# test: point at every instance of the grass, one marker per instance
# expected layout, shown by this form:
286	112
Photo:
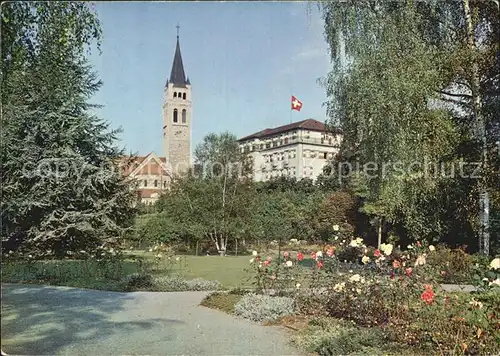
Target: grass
222	301
229	271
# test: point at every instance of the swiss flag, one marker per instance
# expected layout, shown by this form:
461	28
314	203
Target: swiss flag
296	104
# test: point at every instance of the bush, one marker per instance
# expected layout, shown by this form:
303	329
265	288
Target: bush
199	284
340	208
263	308
153	228
328	336
137	281
178	284
452	266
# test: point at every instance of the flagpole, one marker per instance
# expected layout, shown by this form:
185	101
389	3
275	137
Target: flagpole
291	115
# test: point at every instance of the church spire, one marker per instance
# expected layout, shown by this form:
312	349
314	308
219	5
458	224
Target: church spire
177	75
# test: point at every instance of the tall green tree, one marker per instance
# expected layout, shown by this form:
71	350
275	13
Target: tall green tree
215	200
393	66
62	190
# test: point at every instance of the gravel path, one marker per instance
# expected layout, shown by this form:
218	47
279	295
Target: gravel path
46	320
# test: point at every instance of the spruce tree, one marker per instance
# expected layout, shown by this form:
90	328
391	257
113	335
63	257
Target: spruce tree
62	189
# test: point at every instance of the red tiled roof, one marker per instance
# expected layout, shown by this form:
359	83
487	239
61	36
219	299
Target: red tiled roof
129	163
309	124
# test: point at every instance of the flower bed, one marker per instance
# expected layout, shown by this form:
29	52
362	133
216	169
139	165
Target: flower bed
393	290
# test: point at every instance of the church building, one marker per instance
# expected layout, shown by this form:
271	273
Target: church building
151	172
177	109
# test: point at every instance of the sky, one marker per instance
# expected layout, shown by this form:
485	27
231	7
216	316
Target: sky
244	61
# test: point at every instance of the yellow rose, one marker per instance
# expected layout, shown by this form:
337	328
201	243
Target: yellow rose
495	264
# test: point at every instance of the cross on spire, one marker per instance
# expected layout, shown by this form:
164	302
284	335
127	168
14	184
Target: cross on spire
177	75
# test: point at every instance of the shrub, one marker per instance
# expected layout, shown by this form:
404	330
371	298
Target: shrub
340	208
263	308
137	281
199	284
179	284
328	336
451	266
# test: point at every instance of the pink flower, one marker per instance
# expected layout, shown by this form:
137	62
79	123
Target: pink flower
396	264
377	253
286	254
409	271
392	275
313	255
419	244
330	252
266	263
300	256
320	264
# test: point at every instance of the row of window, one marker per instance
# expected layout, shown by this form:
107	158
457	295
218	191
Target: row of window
180	95
291	154
155	183
280	156
284	141
282	173
268	144
183	118
308	171
319	154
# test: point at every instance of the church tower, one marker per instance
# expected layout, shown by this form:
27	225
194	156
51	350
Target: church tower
177	110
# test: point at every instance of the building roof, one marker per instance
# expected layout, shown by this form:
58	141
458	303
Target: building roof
140	165
308	124
177	74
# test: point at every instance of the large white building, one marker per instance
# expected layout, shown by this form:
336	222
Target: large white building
299	150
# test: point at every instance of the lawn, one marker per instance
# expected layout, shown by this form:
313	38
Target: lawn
229	271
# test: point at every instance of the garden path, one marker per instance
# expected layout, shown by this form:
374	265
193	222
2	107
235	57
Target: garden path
38	320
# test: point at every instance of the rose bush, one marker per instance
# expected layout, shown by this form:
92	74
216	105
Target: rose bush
396	290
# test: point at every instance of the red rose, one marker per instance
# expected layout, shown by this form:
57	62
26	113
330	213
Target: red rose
377	253
427	296
300	256
313	255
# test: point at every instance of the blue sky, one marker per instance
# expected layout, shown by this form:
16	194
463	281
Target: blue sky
244	61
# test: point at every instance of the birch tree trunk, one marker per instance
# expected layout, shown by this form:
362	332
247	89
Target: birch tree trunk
379	233
484	235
